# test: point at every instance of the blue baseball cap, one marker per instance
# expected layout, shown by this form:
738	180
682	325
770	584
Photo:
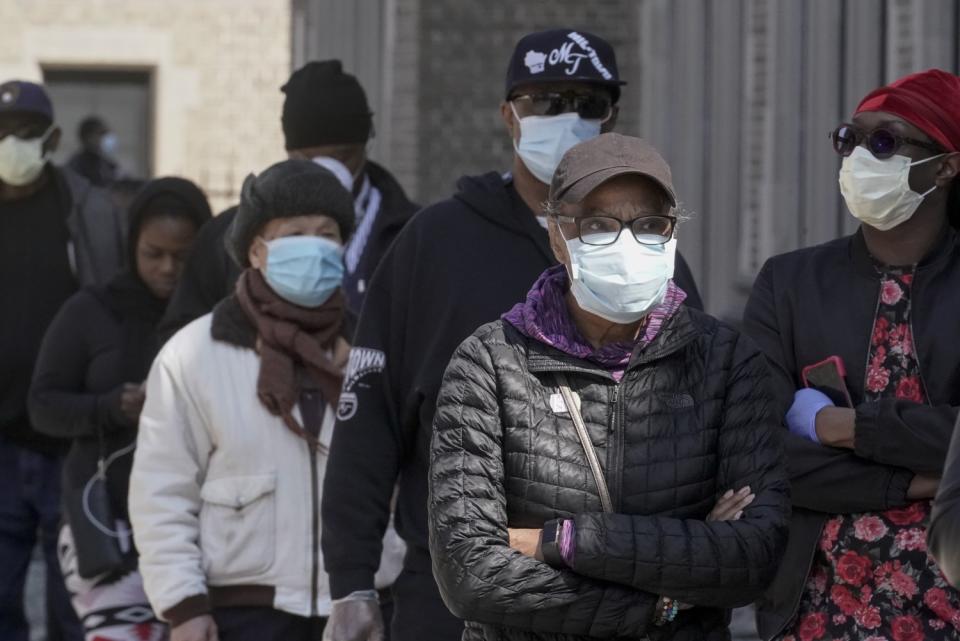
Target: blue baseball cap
563	55
20	96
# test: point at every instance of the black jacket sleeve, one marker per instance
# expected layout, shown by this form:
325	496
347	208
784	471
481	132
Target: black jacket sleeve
905	434
943	535
720	563
367	445
822	478
208	277
480	577
683	277
58	404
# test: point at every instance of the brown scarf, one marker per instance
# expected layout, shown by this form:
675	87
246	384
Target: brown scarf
289	335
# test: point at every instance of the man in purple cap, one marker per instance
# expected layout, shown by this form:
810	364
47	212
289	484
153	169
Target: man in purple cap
57	233
457	265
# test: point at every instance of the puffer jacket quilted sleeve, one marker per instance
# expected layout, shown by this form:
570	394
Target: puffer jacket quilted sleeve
707	563
480	577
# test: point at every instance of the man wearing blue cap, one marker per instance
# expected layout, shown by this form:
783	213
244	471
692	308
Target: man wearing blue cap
57	233
457	265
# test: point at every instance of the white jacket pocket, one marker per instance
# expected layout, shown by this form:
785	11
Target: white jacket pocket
238	526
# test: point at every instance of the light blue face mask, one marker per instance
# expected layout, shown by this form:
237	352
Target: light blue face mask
544	140
305	270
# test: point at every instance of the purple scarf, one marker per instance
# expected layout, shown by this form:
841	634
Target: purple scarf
544	317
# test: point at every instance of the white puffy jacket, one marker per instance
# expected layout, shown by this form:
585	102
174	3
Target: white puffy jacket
224	499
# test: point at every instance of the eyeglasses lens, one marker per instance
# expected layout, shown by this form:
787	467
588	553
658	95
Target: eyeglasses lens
882	143
653	230
599	230
593	107
844	140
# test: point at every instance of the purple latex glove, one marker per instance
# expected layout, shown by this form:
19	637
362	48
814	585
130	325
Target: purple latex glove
802	415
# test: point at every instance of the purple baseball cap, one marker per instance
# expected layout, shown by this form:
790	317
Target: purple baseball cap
21	96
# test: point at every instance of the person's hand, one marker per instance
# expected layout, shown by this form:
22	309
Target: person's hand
836	426
731	505
526	541
132	396
802	415
200	628
356	617
923	487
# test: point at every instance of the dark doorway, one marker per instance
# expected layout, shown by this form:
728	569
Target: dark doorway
122	98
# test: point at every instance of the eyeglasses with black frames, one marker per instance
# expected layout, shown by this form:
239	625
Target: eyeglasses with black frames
649	229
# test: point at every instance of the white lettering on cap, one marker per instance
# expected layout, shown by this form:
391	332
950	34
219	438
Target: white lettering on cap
534	60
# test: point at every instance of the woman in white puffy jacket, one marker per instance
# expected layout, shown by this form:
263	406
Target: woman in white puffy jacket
226	486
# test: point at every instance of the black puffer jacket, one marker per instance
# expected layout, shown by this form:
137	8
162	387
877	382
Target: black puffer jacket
691	418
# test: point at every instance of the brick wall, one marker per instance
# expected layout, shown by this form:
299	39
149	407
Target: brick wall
218	66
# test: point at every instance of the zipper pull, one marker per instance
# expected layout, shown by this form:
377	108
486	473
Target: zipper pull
613	409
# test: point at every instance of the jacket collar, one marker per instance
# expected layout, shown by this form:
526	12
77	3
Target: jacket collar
395	208
864	263
231	325
678	332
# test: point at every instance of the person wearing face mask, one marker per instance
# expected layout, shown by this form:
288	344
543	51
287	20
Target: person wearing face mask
460	263
866	452
234	434
58	233
326	119
88	390
569	498
96	160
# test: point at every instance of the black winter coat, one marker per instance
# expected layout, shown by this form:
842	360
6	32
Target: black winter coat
819	302
100	339
691	418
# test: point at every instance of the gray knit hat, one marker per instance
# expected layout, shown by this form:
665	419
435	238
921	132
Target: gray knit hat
285	190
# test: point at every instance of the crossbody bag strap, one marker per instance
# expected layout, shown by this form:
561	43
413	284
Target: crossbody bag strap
588	448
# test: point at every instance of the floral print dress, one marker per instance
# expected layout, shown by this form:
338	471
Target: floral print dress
872	579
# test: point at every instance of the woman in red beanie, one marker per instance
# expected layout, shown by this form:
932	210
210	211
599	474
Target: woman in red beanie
869	322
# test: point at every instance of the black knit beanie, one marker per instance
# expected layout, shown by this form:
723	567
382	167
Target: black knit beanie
285	190
324	106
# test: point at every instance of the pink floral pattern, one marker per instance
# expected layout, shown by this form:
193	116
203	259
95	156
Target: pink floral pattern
872	579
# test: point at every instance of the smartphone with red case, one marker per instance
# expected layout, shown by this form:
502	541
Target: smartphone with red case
829	377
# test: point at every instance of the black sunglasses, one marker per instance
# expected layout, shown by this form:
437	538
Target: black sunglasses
881	142
594	106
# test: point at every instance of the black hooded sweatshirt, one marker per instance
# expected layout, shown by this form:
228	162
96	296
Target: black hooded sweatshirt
102	338
457	265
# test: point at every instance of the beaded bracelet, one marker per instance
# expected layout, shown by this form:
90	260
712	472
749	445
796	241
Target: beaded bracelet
667	610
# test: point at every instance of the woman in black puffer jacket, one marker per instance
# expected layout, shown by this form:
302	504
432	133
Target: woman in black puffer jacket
674	403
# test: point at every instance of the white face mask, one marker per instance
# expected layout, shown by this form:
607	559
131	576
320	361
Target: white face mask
21	161
544	140
878	191
623	281
338	169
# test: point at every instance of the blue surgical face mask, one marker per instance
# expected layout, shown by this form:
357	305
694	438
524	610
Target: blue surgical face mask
544	140
304	270
109	144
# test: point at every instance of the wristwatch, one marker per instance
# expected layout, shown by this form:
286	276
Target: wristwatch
550	543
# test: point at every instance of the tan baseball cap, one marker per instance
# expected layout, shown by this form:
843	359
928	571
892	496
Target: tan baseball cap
593	162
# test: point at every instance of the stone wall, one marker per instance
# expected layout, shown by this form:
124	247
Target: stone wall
216	65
